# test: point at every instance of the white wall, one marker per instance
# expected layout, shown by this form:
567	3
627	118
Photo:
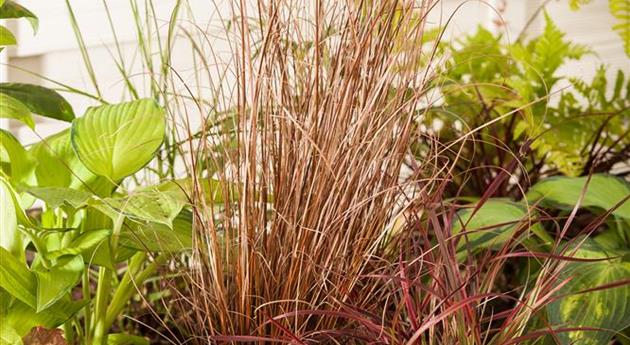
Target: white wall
53	53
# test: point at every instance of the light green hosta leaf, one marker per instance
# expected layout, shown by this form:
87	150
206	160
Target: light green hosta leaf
14	109
608	309
21	162
58	166
22	317
492	225
11	214
55	282
102	255
56	162
17	279
10	9
116	141
57	196
6	37
147	206
10	237
40	100
603	192
85	244
125	339
156	237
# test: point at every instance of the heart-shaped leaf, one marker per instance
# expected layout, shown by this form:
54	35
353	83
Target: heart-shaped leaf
14	109
40	100
21	162
59	166
116	141
53	283
603	192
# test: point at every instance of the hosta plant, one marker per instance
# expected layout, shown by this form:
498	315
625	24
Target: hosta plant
593	272
90	232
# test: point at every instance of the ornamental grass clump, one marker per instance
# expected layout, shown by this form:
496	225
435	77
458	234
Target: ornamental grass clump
325	105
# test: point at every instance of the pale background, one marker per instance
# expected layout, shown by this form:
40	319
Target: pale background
53	51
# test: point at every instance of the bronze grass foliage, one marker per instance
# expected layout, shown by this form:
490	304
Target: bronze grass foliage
329	230
324	123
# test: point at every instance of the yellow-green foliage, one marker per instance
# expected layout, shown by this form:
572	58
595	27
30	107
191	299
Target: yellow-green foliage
487	78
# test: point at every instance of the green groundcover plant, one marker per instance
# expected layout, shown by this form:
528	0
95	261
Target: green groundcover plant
88	221
89	225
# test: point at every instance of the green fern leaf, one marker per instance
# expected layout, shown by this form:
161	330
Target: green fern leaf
620	9
551	50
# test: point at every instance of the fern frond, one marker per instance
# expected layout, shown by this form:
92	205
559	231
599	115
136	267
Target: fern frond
551	50
620	9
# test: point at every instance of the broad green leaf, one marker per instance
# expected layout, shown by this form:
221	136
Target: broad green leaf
10	237
8	335
492	225
14	109
57	196
17	279
55	282
156	237
85	244
59	166
125	339
102	255
603	192
10	9
21	162
12	214
147	206
40	100
608	309
116	141
610	238
22	317
6	37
